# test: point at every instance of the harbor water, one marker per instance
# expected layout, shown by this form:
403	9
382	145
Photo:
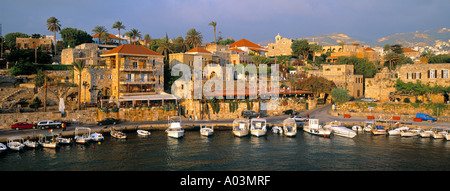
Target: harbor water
225	152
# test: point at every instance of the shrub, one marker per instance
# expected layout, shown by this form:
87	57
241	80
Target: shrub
406	100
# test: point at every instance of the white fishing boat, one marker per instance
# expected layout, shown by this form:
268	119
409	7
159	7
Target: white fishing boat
357	128
117	134
439	133
339	130
31	144
143	132
289	127
206	130
426	133
258	127
277	130
447	136
397	131
379	130
82	135
96	137
410	132
175	130
3	148
64	140
240	127
369	125
315	128
15	143
48	142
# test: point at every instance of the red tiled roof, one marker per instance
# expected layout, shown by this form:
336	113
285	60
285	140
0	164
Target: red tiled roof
109	35
369	49
131	50
245	43
198	49
406	49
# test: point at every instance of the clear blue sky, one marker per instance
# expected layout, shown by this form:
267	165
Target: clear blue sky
255	20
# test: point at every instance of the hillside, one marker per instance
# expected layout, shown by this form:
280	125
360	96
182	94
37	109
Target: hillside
420	39
333	39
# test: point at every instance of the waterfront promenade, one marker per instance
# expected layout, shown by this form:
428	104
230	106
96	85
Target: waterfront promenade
322	113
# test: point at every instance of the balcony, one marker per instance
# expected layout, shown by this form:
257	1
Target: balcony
138	69
137	81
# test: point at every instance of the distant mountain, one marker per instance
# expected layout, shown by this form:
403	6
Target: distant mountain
413	39
332	39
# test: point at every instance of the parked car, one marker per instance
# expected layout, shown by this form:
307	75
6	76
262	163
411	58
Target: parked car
425	117
368	99
108	121
290	112
23	125
249	114
300	119
45	124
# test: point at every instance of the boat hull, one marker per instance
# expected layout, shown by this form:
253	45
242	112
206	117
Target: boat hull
175	134
258	133
240	133
206	133
290	134
379	132
49	145
426	134
438	136
318	132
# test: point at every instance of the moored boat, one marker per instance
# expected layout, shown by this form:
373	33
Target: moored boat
315	128
289	127
175	130
82	135
410	132
48	142
339	130
379	130
439	133
15	143
368	126
3	148
357	128
206	130
96	137
64	140
117	134
397	131
31	144
426	133
143	132
258	127
240	127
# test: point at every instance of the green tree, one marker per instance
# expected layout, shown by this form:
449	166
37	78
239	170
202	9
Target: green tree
35	103
227	41
316	85
442	58
397	48
340	95
214	24
180	45
135	34
102	33
300	47
361	65
53	26
23	68
79	66
193	38
73	37
27	55
315	48
118	25
10	39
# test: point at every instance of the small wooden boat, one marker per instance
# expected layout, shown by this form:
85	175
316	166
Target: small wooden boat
15	143
240	127
31	144
143	132
289	127
314	128
258	127
379	130
118	134
206	130
48	142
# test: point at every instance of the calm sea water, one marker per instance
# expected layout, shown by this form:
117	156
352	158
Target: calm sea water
225	152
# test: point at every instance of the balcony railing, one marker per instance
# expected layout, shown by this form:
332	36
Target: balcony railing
137	81
140	69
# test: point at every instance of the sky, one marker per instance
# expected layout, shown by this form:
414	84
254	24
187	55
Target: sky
255	20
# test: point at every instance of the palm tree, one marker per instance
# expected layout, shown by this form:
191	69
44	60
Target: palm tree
214	24
53	26
102	33
193	38
128	34
79	66
165	48
135	33
118	25
147	39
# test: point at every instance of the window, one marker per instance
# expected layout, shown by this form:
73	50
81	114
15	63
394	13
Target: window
110	76
128	77
444	73
409	76
135	64
418	75
432	74
101	76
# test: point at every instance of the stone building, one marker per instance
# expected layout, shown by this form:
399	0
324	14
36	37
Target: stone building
352	50
380	86
343	76
435	74
136	72
282	46
95	84
32	43
88	52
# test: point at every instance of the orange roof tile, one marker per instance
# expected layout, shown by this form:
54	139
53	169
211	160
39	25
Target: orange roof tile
406	49
109	35
199	50
369	49
245	43
131	50
235	49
